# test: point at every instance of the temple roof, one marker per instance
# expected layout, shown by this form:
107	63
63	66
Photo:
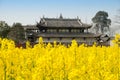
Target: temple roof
68	35
61	22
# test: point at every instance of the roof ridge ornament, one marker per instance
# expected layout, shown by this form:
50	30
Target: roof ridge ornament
61	17
79	21
77	17
43	16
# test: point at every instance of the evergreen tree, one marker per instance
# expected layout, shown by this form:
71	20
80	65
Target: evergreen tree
4	29
17	33
101	22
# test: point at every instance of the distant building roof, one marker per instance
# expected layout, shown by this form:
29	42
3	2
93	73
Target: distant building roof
30	27
104	38
61	22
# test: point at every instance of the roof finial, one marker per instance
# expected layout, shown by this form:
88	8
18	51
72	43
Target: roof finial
43	16
61	17
77	17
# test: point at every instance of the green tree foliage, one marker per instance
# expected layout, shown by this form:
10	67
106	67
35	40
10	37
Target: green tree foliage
101	21
17	33
4	29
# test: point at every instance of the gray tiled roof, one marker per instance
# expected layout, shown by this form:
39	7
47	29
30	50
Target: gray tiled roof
58	22
68	35
30	27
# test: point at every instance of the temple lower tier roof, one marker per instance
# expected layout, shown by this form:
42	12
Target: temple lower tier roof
68	35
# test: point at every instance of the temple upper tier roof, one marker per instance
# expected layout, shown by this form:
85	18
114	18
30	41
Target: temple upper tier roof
62	23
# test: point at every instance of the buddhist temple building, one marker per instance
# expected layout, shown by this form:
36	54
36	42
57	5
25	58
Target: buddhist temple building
64	30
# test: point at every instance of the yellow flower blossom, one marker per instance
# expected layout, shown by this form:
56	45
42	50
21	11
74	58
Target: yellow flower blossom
59	62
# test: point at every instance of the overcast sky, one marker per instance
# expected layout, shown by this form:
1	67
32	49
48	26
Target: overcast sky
30	11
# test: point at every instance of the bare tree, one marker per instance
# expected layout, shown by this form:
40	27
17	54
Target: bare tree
117	17
116	23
